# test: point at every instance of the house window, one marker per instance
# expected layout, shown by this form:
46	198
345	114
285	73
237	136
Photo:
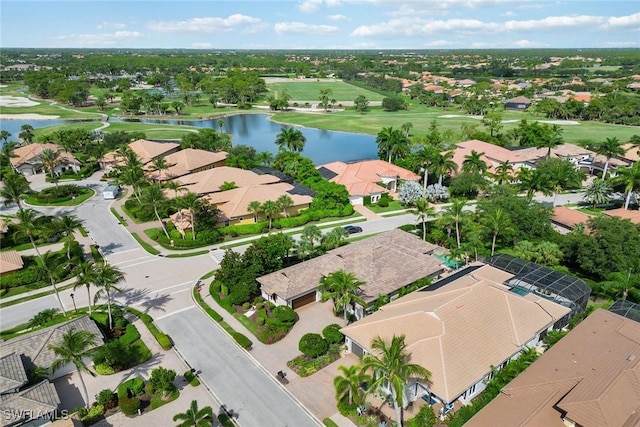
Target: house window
255	218
226	222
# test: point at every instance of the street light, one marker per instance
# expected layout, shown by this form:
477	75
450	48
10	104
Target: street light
74	304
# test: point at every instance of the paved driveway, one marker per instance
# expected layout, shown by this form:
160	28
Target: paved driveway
232	374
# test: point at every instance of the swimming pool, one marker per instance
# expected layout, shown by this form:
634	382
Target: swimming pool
447	261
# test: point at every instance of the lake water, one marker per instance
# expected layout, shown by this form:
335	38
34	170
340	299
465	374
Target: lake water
258	131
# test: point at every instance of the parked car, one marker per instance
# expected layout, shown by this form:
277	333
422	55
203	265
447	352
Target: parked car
351	229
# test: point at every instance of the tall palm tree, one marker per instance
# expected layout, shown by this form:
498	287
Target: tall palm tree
386	140
133	176
50	159
597	193
195	417
423	211
610	147
504	172
424	159
623	283
67	224
630	178
455	212
73	348
255	208
106	277
265	157
175	186
192	202
85	276
160	164
154	196
343	288
291	139
391	371
348	384
27	225
473	163
497	221
26	134
270	208
285	202
312	233
551	140
15	188
5	135
443	164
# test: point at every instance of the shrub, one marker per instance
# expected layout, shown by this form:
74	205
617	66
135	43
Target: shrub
260	321
164	341
149	389
242	340
224	290
96	412
105	397
246	306
130	335
162	379
258	306
313	345
104	369
332	334
129	405
285	314
153	233
383	202
425	418
133	386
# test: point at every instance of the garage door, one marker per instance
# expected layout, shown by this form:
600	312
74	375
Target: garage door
304	300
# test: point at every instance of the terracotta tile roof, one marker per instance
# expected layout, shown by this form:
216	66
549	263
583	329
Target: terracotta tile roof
233	203
569	217
38	400
210	180
632	152
30	154
182	220
443	331
633	216
592	375
360	178
10	261
149	150
186	161
385	262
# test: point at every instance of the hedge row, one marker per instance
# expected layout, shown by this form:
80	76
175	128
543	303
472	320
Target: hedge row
162	338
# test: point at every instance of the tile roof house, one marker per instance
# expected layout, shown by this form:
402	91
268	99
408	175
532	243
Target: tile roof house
568	218
145	150
517	103
459	329
10	261
233	204
632	152
590	378
27	159
622	213
189	160
385	262
30	404
183	220
210	180
367	178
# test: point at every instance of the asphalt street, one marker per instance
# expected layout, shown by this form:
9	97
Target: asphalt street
242	385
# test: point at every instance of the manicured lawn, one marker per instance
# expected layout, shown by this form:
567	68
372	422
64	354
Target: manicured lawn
394	205
86	193
30	297
119	217
147	247
309	90
187	255
46	109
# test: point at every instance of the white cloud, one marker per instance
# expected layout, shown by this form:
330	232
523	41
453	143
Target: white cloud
105	39
106	25
205	25
417	26
201	45
509	14
338	17
302	28
624	21
527	44
309	6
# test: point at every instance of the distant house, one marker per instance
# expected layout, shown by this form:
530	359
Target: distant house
210	180
566	219
385	262
631	215
183	221
517	103
27	160
10	261
189	160
369	178
590	378
145	150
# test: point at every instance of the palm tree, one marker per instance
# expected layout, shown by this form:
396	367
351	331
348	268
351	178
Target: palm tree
270	208
504	172
15	188
195	417
424	159
67	224
630	178
160	164
312	233
27	224
343	288
406	128
50	159
74	347
443	164
610	147
497	221
455	212
552	139
26	134
85	277
154	196
623	283
285	202
349	383
255	208
106	277
265	157
291	139
193	203
220	123
387	140
473	163
175	186
5	135
133	176
597	193
423	211
391	370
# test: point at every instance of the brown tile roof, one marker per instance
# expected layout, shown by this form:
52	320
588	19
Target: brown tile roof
38	400
12	372
592	375
210	180
30	154
632	153
460	330
186	161
360	178
182	220
568	217
519	100
385	262
10	261
233	203
149	150
633	216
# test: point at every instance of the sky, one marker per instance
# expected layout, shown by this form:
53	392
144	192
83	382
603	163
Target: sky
320	24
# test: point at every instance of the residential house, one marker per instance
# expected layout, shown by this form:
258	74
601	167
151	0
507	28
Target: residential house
187	161
492	155
385	263
183	221
566	219
622	213
461	328
517	103
10	261
233	204
590	378
369	178
632	153
210	180
28	161
145	150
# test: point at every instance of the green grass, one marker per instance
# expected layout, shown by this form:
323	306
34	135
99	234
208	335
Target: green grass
329	422
45	108
25	246
157	400
86	193
30	297
309	90
247	323
147	247
394	205
226	421
131	217
187	255
119	217
97	256
140	351
208	275
21	329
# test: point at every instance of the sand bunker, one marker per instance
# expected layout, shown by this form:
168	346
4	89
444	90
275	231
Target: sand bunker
16	101
27	117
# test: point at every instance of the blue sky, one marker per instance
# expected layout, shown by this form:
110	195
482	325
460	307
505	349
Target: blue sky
320	24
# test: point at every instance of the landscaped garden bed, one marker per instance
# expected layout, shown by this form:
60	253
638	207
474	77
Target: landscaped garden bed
317	350
63	195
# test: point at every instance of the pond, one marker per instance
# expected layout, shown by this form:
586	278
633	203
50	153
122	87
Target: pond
258	131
